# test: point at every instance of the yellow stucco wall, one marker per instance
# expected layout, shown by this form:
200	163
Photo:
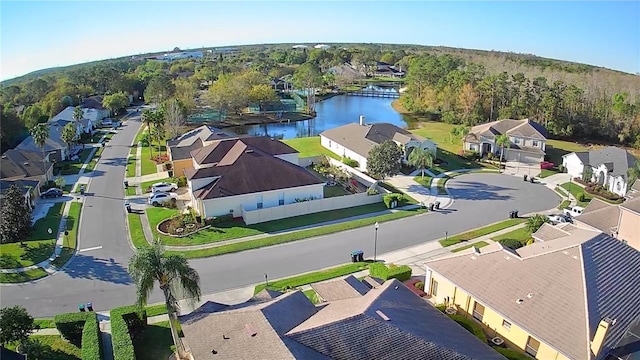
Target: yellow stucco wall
180	165
629	228
491	319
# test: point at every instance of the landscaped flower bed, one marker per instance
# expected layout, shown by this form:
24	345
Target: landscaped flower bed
181	225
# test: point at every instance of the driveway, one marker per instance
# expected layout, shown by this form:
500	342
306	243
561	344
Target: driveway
99	275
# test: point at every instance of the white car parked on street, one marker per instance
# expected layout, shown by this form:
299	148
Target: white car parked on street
164	187
160	198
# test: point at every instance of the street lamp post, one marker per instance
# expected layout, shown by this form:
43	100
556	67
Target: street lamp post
266	280
375	241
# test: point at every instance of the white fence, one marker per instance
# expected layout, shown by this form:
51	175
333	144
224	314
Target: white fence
361	177
308	207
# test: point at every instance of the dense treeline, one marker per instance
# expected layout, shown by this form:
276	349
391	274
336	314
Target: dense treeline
460	86
462	92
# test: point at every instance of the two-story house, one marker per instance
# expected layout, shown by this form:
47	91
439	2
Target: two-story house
26	169
527	140
231	175
355	141
179	149
54	148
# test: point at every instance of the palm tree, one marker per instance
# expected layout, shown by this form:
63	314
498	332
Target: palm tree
172	272
78	114
502	141
535	222
40	134
421	158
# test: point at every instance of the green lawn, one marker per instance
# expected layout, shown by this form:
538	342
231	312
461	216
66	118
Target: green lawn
238	229
312	295
28	275
556	148
72	167
438	132
48	323
155	310
54	347
130	191
547	172
575	189
297	235
40	244
313	277
564	204
334	191
476	233
149	166
521	235
395	190
424	181
155	342
131	166
94	161
71	240
451	161
135	230
477	244
309	146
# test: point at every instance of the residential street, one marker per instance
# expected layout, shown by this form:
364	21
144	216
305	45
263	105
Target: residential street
98	274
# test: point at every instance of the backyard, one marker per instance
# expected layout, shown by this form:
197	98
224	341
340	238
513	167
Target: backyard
39	245
309	146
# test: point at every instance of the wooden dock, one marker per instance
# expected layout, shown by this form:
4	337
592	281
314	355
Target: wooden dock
377	94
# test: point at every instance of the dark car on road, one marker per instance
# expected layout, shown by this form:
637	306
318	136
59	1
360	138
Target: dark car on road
51	193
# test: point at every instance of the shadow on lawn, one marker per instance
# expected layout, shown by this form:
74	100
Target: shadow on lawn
39	350
154	343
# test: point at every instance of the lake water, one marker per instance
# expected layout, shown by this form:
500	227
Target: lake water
331	113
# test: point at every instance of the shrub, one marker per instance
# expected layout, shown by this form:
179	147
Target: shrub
82	330
511	243
350	162
419	285
511	354
390	198
381	271
170	205
181	181
127	323
372	191
441	307
470	326
490	156
561	168
581	197
48	185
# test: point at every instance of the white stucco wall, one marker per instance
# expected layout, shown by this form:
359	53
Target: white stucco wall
340	150
425	145
573	165
221	206
615	184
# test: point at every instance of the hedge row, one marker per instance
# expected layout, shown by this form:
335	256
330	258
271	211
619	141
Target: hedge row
381	271
82	330
127	323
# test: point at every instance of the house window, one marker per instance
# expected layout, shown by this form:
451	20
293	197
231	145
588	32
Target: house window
260	204
434	288
478	311
535	143
516	141
281	199
532	346
506	324
330	143
618	186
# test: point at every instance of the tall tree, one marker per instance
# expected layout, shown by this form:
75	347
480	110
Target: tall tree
633	174
69	134
15	325
160	88
174	118
40	134
172	272
504	142
78	114
15	223
115	102
384	160
308	78
421	158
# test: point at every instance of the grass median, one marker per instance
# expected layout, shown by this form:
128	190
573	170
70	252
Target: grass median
71	240
21	277
470	235
297	235
477	244
313	277
136	232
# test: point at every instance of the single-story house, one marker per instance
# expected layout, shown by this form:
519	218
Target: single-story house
620	221
354	141
92	106
180	148
237	174
570	297
387	322
608	167
54	147
26	169
527	140
387	70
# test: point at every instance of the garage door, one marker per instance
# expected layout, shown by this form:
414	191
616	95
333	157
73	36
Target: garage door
530	158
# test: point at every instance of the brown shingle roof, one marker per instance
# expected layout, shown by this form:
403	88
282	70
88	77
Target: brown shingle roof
548	232
604	219
596	204
236	167
632	205
362	138
93	102
19	164
562	275
346	288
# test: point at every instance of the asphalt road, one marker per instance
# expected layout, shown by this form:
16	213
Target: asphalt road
99	276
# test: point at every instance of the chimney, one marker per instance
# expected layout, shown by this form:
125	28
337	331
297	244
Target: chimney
600	335
361	120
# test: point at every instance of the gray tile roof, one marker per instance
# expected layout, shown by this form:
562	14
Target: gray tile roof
358	328
346	288
636	185
596	204
24	185
53	142
362	138
18	164
524	128
182	146
619	160
574	281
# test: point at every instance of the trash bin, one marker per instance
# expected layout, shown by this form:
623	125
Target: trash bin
515	214
436	204
81	189
126	184
127	205
354	256
532	179
431	205
511	215
89	307
525	178
81	307
360	256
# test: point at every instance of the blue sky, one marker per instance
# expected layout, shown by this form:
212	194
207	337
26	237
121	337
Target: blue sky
36	35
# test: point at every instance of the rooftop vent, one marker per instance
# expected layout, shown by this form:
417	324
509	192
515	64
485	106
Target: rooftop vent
473	257
565	252
225	337
25	163
529	295
382	315
213	351
248	151
250	330
396	288
507	257
519	301
4	156
575	257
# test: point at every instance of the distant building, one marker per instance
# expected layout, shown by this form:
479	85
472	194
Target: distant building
181	55
322	46
299	46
